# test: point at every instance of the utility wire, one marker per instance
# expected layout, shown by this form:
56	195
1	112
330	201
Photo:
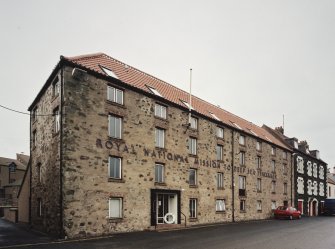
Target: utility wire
25	113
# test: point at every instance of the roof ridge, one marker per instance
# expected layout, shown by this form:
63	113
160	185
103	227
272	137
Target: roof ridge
85	56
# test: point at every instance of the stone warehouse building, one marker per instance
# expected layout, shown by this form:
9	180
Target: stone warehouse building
310	175
125	151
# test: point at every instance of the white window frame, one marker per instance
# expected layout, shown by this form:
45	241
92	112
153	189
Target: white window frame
273	205
242	207
258	146
219	132
159	137
273	151
259	185
154	91
285	188
220	205
193	202
112	126
195	177
273	166
242	182
242	158
118	165
56	120
259	205
113	95
159	173
160	111
258	162
241	140
119	206
219	152
273	187
192	145
193	123
220	180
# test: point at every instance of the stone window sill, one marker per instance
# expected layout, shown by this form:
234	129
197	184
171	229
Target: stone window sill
116	180
160	184
193	186
115	220
220	212
115	104
243	211
193	219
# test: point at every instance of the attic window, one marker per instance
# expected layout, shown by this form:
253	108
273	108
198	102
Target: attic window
214	116
154	91
187	105
109	72
253	132
237	126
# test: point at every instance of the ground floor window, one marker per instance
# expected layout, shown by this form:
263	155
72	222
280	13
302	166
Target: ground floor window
259	205
220	205
242	205
273	205
159	173
193	208
115	207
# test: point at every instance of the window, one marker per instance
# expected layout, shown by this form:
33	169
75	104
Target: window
214	116
285	169
258	146
192	177
315	170
109	72
220	205
273	166
259	205
159	173
56	87
242	140
329	192
219	132
259	185
220	180
285	188
192	146
258	162
193	123
242	158
273	151
115	167
300	167
219	152
187	105
284	155
39	172
160	111
115	95
34	114
154	91
273	205
193	208
115	126
321	172
159	137
300	182
273	187
39	207
115	207
242	205
241	185
56	120
34	138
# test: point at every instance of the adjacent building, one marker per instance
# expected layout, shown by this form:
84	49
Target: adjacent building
116	149
309	176
331	184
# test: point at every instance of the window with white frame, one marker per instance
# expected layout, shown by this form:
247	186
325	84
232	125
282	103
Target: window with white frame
321	189
273	151
115	207
242	205
273	205
154	91
159	137
115	167
242	158
321	172
192	145
219	180
159	173
300	182
220	205
285	188
160	111
259	205
56	86
315	188
241	185
241	140
258	146
300	164
56	120
219	132
273	187
258	162
115	95
315	170
284	155
192	179
309	168
193	123
193	208
219	152
273	165
115	126
259	185
309	187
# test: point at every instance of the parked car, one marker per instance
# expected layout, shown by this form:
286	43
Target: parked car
329	207
286	212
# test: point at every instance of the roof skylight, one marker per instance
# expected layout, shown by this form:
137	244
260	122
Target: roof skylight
214	116
253	132
109	72
268	139
154	91
237	126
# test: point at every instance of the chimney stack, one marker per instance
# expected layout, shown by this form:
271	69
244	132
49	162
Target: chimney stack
280	129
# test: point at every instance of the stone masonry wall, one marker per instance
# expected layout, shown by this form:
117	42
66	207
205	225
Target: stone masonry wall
87	188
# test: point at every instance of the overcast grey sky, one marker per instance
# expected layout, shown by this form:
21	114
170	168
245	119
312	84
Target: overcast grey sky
257	59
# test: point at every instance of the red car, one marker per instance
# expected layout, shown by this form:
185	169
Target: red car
287	212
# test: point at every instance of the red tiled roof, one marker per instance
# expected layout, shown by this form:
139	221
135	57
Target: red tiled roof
136	78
